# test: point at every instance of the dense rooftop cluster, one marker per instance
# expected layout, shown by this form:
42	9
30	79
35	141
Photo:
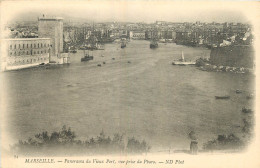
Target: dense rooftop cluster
192	34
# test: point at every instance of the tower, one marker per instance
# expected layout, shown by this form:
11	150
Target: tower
52	27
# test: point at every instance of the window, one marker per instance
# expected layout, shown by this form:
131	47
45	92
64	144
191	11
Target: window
23	45
34	45
41	52
19	46
34	52
38	45
41	44
48	45
15	46
27	45
15	53
37	52
27	52
11	53
31	45
44	45
10	46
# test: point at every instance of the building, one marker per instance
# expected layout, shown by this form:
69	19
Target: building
25	52
52	27
138	35
21	53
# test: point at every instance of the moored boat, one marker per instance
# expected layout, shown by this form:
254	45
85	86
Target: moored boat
238	91
250	96
246	110
73	51
222	97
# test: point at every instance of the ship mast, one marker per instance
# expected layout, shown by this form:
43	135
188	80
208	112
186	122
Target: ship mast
182	56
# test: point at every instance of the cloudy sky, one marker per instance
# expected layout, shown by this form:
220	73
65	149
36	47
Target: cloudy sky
130	10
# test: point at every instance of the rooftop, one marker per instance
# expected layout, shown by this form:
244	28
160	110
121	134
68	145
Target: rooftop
50	18
26	39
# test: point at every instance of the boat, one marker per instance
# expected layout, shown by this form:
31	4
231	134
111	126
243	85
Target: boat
222	97
86	57
123	43
93	43
99	65
246	110
182	61
153	44
238	91
250	96
100	47
73	51
95	46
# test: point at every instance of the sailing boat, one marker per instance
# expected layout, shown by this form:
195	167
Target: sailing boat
86	57
182	61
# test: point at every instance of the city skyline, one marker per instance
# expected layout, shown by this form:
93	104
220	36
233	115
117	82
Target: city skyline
126	11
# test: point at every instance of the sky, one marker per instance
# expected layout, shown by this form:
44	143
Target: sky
129	10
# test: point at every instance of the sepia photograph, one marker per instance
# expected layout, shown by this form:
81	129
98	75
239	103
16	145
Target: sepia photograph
129	83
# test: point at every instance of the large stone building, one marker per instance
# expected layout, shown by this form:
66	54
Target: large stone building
52	27
21	53
25	52
138	35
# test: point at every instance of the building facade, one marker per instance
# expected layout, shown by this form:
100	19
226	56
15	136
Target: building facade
52	27
21	53
138	35
25	52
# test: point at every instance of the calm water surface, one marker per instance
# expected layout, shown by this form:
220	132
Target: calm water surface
148	98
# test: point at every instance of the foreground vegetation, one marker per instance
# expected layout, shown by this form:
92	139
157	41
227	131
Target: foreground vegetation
64	142
231	141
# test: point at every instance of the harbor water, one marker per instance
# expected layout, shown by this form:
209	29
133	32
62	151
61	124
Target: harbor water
138	93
